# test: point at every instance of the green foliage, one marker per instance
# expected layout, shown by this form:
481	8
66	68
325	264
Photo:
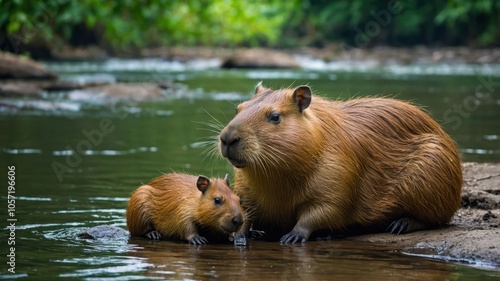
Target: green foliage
150	22
130	23
467	14
418	22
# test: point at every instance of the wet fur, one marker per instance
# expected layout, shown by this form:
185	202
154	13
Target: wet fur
335	165
173	206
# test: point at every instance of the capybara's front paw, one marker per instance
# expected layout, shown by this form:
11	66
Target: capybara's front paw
153	235
405	225
198	240
256	234
295	236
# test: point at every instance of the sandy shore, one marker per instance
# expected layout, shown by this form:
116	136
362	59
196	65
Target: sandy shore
473	235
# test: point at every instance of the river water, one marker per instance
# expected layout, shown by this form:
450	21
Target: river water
76	165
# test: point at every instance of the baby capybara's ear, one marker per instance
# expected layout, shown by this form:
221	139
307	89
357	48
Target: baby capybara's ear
226	179
260	88
302	97
203	183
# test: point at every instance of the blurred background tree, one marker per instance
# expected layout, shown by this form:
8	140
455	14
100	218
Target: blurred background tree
121	25
442	22
129	25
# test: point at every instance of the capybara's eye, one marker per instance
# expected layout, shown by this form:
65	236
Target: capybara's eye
275	118
218	201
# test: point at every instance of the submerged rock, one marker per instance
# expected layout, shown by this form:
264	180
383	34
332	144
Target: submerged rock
19	88
104	232
17	67
25	88
260	58
128	91
8	105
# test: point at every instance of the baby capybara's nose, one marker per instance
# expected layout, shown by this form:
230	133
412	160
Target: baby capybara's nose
237	220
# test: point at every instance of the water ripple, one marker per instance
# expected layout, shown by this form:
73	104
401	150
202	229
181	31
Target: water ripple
362	66
481	151
69	152
22	150
34	198
107	152
111	265
153	65
280	74
118	199
491	137
107	211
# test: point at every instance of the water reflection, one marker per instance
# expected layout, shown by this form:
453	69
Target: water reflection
316	260
481	151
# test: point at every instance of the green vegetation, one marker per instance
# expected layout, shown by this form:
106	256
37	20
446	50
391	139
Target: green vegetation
120	25
128	23
410	22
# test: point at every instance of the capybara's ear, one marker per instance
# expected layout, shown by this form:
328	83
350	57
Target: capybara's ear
226	179
203	183
259	88
302	97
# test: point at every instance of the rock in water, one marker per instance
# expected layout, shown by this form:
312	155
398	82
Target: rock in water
104	232
260	58
13	66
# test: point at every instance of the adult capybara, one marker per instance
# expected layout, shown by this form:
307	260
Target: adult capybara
178	205
304	164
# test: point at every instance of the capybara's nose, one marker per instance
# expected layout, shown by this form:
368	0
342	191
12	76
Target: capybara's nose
229	140
237	220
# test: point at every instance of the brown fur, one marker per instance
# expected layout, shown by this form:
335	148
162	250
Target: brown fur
174	207
335	165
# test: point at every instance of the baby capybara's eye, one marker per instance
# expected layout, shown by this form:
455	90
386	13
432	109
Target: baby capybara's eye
218	201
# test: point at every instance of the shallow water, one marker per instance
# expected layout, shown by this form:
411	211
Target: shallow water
76	166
